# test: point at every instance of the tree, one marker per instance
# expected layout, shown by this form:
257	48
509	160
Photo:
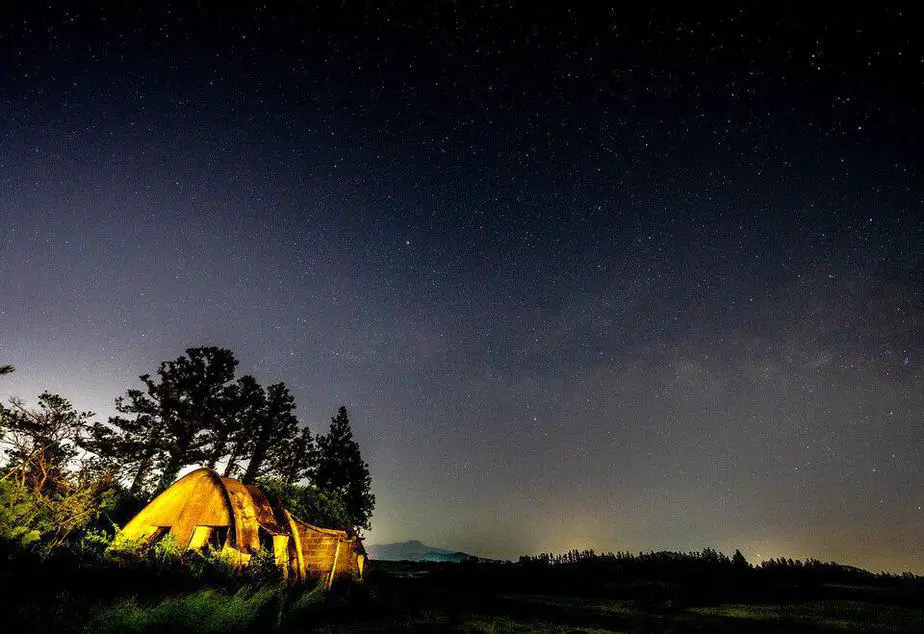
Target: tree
129	444
47	493
243	400
341	470
41	445
738	560
173	423
273	430
6	369
297	458
250	403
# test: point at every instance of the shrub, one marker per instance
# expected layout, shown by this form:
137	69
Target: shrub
308	503
23	521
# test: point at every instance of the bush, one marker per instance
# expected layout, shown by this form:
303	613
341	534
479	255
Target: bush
23	521
308	503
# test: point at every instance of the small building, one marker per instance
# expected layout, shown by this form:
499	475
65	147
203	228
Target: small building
203	509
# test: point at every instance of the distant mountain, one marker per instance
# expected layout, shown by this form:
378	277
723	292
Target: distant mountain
414	550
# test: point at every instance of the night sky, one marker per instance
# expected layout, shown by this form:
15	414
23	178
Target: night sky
623	278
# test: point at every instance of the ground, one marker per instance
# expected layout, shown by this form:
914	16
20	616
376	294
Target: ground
402	598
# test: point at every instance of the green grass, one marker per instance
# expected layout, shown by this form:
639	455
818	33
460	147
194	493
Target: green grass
203	611
206	611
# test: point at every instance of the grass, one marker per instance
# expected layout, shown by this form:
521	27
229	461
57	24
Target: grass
203	611
450	598
843	616
553	614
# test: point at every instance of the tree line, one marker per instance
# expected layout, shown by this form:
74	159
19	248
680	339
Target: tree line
696	567
193	411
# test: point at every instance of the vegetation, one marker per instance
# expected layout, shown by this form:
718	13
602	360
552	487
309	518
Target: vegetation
192	412
341	470
317	506
82	588
68	482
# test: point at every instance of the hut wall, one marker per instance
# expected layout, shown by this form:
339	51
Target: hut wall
346	562
197	499
203	509
318	551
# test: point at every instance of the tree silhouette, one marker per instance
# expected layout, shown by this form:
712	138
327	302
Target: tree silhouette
6	369
129	444
738	560
272	430
193	412
173	422
296	458
341	469
250	404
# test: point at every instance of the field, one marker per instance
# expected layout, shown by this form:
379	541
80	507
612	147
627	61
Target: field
452	597
405	597
531	613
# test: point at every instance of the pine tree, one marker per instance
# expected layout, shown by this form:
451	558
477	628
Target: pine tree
341	469
738	560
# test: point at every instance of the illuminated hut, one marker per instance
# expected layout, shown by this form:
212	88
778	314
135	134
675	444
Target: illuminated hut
203	509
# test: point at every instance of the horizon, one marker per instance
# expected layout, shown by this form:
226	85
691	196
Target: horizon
755	560
616	278
755	553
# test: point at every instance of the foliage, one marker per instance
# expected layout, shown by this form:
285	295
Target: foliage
341	469
83	587
22	521
308	503
738	560
234	436
271	432
251	608
118	507
166	549
262	569
41	444
296	459
168	425
195	413
48	493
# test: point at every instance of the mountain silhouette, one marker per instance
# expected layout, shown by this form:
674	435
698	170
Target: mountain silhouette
414	550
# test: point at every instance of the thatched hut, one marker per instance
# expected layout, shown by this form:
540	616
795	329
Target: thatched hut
203	509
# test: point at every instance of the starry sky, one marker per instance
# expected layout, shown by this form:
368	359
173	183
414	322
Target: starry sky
620	277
